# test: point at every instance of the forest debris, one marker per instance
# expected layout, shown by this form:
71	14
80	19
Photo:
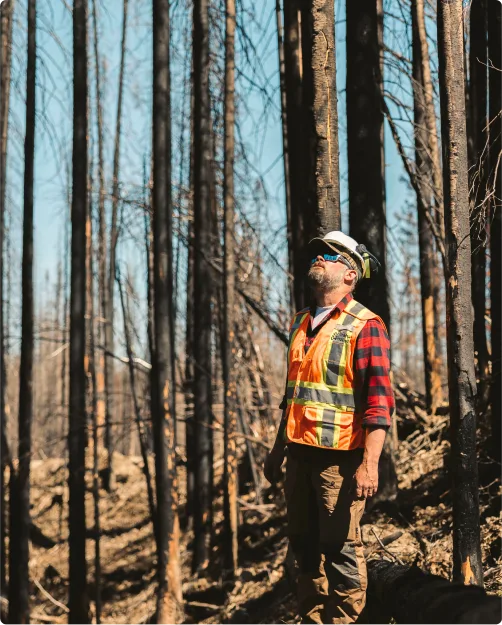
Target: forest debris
50	597
380	542
45	618
264	508
387	540
492	571
201	604
410	595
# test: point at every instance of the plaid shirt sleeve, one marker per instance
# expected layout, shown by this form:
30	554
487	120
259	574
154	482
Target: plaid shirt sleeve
373	389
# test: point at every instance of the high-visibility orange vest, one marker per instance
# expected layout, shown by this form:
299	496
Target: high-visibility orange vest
320	394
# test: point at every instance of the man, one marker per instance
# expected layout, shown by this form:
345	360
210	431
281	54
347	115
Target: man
336	412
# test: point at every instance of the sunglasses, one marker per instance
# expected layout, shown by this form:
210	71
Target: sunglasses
330	258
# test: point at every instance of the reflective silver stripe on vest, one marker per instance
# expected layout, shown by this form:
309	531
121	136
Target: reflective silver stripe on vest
327	397
297	322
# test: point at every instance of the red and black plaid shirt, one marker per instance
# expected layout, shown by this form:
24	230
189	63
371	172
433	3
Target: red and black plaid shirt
373	393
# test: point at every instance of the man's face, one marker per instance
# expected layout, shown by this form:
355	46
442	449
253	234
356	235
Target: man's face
326	275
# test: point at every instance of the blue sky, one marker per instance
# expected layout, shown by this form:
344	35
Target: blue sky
260	125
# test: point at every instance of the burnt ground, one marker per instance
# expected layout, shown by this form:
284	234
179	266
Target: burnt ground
261	593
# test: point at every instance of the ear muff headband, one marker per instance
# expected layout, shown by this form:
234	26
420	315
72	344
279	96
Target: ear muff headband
371	263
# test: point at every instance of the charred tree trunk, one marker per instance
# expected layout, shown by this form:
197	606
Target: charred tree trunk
93	403
6	13
189	336
202	289
365	134
477	139
19	553
140	426
365	145
408	595
169	596
322	209
109	368
424	166
495	107
101	389
430	117
228	338
467	566
435	158
285	148
189	370
78	599
293	77
148	221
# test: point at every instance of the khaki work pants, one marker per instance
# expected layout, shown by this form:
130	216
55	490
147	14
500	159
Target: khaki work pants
324	533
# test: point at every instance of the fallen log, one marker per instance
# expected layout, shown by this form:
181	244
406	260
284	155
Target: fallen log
409	595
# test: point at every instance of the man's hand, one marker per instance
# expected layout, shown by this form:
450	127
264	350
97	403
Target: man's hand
366	479
273	463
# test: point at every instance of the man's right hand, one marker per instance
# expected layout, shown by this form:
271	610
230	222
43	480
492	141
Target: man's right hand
273	464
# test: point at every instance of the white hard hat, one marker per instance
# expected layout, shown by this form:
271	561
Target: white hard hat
345	245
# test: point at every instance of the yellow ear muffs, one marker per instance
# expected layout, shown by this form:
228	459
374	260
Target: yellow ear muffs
367	268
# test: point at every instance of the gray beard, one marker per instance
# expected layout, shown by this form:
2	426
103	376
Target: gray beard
322	281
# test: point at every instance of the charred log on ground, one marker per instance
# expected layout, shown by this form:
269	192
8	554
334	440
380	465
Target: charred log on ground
409	595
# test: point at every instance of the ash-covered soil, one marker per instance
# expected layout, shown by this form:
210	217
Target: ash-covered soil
262	591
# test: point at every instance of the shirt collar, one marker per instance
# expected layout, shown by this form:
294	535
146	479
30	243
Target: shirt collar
340	307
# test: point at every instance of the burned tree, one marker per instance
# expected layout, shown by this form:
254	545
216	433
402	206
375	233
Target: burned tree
110	291
285	146
169	595
228	339
461	377
78	599
367	220
478	168
101	388
202	289
495	155
322	209
297	146
365	145
20	518
425	206
6	12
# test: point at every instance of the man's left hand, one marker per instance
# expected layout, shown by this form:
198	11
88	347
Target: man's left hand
366	479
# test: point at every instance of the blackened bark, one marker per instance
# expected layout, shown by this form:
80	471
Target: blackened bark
430	119
202	288
189	338
228	338
6	12
78	594
322	209
19	554
409	595
110	309
467	566
169	596
424	165
189	370
365	146
495	106
297	146
478	169
92	401
285	147
102	284
140	426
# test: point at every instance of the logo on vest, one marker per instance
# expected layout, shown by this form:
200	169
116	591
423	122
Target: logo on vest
340	335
